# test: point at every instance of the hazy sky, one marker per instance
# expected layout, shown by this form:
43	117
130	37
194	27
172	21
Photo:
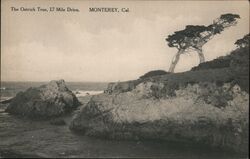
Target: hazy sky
88	46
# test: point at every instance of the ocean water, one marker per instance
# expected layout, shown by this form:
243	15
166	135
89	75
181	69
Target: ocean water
21	137
10	89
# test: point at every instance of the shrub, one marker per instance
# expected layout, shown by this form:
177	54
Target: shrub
154	73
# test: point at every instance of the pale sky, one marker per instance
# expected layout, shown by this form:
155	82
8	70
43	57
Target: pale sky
88	46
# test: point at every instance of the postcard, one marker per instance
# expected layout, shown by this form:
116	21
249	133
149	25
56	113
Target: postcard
124	79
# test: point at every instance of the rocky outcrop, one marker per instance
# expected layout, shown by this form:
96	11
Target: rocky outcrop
200	113
119	87
52	99
207	106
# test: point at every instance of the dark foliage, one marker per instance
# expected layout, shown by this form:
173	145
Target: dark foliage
244	42
231	68
188	37
237	58
216	63
178	39
237	64
229	17
154	73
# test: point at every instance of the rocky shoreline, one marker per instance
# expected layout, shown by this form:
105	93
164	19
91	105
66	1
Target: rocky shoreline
203	106
187	117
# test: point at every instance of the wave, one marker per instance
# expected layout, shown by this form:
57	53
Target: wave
2	99
80	93
7	93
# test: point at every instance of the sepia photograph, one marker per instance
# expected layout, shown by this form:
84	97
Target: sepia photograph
124	79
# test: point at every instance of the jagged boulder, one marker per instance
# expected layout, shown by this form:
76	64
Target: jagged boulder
52	99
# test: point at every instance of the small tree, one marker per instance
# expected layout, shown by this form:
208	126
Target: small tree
244	42
193	37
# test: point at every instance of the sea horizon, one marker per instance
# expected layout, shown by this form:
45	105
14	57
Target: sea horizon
60	79
9	89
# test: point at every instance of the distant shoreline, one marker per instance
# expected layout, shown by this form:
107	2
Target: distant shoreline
50	80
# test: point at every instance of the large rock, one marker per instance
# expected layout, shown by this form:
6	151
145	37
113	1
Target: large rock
208	105
52	99
200	113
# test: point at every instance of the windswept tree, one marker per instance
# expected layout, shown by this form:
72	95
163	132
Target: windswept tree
244	42
193	37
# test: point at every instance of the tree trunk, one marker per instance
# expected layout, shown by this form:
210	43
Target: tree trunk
175	60
201	55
